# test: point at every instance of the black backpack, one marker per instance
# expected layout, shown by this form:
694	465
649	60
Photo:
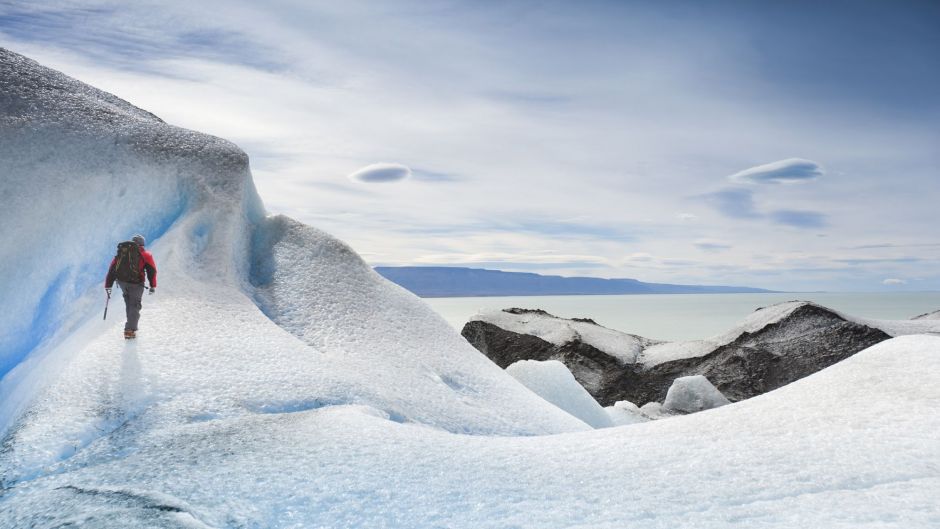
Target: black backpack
127	262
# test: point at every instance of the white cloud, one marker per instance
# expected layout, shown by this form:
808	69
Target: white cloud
789	171
893	281
381	173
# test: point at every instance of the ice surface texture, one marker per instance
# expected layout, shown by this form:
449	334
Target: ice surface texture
818	453
277	382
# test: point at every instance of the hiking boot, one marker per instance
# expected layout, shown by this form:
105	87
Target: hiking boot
130	335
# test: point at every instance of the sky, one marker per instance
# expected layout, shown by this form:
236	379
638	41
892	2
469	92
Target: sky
783	145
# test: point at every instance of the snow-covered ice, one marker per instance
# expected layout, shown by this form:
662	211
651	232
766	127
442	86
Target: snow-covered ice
552	381
693	393
668	351
625	347
279	382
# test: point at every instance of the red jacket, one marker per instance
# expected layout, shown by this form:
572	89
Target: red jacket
147	265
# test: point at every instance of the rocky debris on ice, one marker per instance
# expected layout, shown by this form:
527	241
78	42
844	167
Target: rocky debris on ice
770	348
693	393
594	354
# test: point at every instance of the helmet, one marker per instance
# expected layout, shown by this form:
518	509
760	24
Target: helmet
139	239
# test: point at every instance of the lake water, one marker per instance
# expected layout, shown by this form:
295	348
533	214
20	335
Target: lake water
686	316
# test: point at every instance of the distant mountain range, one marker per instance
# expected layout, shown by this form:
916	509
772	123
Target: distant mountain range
445	281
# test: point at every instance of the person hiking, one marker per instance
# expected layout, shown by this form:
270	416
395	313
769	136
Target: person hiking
128	268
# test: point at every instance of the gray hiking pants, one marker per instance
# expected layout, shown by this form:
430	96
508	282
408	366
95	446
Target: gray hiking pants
133	292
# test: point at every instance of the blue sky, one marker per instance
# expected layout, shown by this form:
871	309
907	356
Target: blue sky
785	145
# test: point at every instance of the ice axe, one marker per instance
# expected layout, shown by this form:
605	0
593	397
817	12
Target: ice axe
108	291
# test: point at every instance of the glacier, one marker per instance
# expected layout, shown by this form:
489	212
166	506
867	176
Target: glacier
278	381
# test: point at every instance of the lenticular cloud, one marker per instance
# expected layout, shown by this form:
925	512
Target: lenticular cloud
381	173
789	171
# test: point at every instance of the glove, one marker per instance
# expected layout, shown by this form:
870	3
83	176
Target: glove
108	290
152	289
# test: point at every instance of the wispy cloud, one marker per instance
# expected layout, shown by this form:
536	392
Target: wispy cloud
711	245
508	157
734	203
893	281
530	260
538	99
870	261
798	219
426	175
789	171
639	257
537	226
895	245
110	34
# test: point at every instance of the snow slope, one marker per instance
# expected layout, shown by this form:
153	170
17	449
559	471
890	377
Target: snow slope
279	382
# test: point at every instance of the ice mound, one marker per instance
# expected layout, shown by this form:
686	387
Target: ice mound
552	381
624	412
405	357
693	393
254	315
83	170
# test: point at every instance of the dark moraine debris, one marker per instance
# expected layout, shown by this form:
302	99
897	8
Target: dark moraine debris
758	359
